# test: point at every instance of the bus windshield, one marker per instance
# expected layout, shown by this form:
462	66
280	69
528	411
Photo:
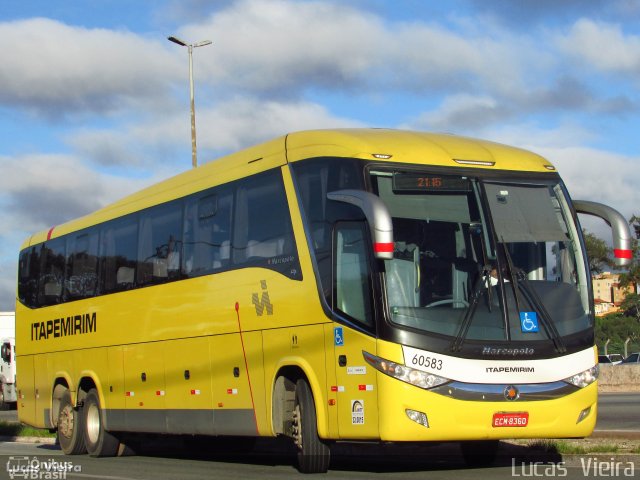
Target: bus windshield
483	260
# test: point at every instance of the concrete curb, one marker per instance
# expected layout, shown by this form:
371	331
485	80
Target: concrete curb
43	440
623	434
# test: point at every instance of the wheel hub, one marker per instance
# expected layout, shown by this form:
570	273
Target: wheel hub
93	423
66	421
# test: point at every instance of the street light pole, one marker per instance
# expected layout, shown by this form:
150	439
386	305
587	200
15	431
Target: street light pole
191	46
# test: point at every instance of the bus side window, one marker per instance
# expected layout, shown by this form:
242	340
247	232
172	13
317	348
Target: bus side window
207	232
352	282
160	244
82	264
118	254
263	235
28	276
51	281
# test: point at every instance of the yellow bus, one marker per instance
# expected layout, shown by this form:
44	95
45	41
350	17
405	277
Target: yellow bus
365	285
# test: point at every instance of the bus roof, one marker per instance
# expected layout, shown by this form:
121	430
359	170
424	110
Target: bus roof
403	146
385	145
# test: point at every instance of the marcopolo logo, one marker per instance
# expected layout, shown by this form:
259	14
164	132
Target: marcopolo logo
262	302
507	352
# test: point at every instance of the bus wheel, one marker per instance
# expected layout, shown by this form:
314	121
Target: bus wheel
70	427
313	453
100	443
479	453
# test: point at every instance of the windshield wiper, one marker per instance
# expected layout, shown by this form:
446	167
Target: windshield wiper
483	277
520	282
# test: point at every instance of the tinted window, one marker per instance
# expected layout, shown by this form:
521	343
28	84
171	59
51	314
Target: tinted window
263	235
118	254
51	281
207	232
28	272
160	244
182	238
351	274
82	264
315	178
633	358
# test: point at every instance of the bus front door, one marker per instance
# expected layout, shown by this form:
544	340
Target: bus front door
357	398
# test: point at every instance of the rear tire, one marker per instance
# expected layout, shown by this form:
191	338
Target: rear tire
313	453
70	427
100	443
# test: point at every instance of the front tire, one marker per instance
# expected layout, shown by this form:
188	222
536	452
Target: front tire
313	453
100	443
70	427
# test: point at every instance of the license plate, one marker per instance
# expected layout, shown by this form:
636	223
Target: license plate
511	419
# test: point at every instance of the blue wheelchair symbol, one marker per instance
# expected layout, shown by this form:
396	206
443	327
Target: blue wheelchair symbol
529	322
338	337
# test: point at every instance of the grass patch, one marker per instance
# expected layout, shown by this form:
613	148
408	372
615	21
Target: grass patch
604	448
563	447
20	430
547	446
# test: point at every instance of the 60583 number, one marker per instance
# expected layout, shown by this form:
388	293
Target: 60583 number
427	362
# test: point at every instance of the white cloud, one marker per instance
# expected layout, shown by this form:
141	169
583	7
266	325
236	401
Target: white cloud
227	126
39	191
52	67
285	47
533	136
241	122
267	45
603	46
463	112
600	176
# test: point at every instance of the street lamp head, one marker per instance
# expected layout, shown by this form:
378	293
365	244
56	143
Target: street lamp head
178	41
202	43
182	43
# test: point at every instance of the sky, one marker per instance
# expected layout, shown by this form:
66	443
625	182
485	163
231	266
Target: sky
94	101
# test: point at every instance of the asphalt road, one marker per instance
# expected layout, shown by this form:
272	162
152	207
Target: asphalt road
618	411
272	462
171	459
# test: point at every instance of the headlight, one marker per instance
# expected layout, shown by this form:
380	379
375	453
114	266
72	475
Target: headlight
402	372
585	378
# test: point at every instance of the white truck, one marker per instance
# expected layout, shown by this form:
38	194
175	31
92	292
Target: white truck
8	392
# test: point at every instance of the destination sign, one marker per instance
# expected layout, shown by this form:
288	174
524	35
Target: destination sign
420	182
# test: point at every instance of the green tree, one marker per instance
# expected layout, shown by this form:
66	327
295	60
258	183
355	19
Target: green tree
617	327
598	253
635	224
631	306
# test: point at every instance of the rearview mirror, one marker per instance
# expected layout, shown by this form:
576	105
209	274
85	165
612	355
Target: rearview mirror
621	233
377	215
